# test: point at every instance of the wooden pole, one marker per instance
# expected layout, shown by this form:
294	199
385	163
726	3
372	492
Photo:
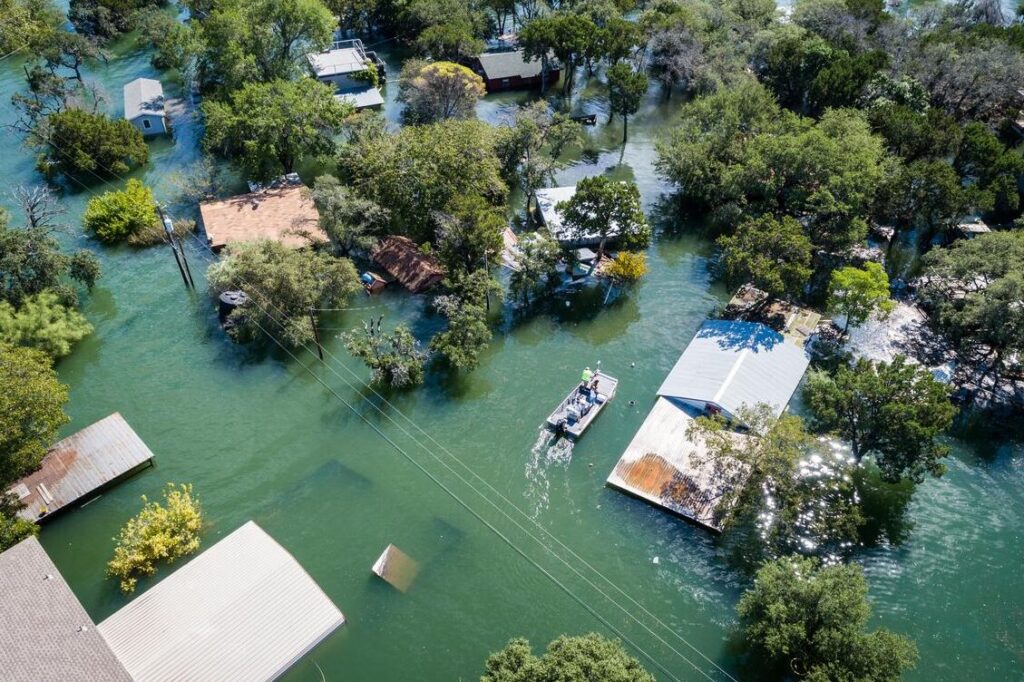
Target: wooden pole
174	249
316	335
188	271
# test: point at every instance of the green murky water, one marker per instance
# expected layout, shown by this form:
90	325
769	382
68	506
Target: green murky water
262	438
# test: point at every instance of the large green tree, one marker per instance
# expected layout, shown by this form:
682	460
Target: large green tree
89	147
437	91
892	411
858	293
568	35
351	222
775	255
604	209
810	622
626	89
585	658
265	129
43	322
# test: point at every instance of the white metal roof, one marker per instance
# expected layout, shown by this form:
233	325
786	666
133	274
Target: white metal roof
337	62
731	364
547	201
509	64
143	96
242	610
360	99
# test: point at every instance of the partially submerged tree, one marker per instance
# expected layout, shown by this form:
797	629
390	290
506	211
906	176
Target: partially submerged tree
536	268
394	359
118	215
43	322
89	147
604	209
626	89
810	622
583	658
859	293
626	267
437	91
468	236
351	221
893	412
775	255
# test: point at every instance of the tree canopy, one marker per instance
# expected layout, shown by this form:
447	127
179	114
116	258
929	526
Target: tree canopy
604	209
774	255
89	147
437	91
119	214
567	659
858	293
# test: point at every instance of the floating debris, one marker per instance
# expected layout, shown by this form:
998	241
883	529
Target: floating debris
396	568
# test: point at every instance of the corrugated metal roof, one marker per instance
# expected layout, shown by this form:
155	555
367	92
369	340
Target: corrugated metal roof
508	64
45	634
663	466
143	96
81	464
360	99
242	610
731	364
337	62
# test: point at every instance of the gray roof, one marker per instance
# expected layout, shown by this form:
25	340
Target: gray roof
45	634
731	364
242	610
81	464
143	96
508	65
337	62
360	99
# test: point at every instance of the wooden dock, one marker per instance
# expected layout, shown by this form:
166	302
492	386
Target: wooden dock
80	466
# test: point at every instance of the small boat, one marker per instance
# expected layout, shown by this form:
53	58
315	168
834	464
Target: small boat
579	409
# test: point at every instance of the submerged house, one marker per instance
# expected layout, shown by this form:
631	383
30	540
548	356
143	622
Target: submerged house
402	259
244	609
513	70
346	67
548	214
282	212
144	106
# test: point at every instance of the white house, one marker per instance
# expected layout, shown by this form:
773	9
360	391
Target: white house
144	106
343	67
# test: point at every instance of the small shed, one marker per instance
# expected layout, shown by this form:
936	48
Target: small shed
969	228
416	270
45	634
513	70
144	106
81	466
244	609
731	364
283	212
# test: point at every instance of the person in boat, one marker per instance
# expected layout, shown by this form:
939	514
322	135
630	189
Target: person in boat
587	375
593	390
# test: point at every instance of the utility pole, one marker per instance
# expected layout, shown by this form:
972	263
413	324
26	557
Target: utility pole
316	335
186	274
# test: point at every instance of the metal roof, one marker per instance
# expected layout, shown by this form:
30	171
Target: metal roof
45	634
337	62
731	364
547	202
360	99
242	610
508	64
80	465
143	96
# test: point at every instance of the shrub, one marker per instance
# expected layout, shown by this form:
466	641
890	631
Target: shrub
628	266
88	146
158	533
118	215
43	322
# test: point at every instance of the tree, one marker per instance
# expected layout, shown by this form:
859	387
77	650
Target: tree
566	34
626	267
283	287
994	168
160	532
536	267
626	89
89	147
394	359
455	39
858	293
468	236
893	412
43	322
119	214
349	220
914	135
792	64
421	169
604	209
31	262
265	129
774	255
567	659
467	334
41	207
31	410
677	56
13	529
971	83
810	621
107	19
437	91
31	22
928	194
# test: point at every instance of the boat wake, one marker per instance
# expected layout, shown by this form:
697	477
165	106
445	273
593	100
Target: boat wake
549	450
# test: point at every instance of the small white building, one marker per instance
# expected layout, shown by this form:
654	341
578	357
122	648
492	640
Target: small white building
343	67
144	106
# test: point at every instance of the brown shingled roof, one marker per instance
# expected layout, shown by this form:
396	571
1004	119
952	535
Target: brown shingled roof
405	262
285	214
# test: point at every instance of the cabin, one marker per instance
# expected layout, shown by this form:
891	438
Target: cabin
402	259
344	66
732	364
244	609
77	468
512	70
282	212
144	106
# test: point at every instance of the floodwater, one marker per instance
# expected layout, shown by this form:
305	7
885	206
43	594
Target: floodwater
514	536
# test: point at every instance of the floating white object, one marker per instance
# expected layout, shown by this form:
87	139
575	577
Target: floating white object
396	568
656	561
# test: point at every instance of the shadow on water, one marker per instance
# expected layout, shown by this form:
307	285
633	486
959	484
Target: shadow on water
884	506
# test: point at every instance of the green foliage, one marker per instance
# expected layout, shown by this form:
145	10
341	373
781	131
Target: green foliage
421	169
775	255
107	19
117	215
893	412
467	334
450	40
394	359
14	529
31	262
438	91
928	194
43	322
468	235
606	209
31	410
995	169
809	621
568	35
537	260
627	266
914	135
160	532
859	293
282	285
626	89
567	659
530	146
28	21
348	219
791	66
90	147
265	129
